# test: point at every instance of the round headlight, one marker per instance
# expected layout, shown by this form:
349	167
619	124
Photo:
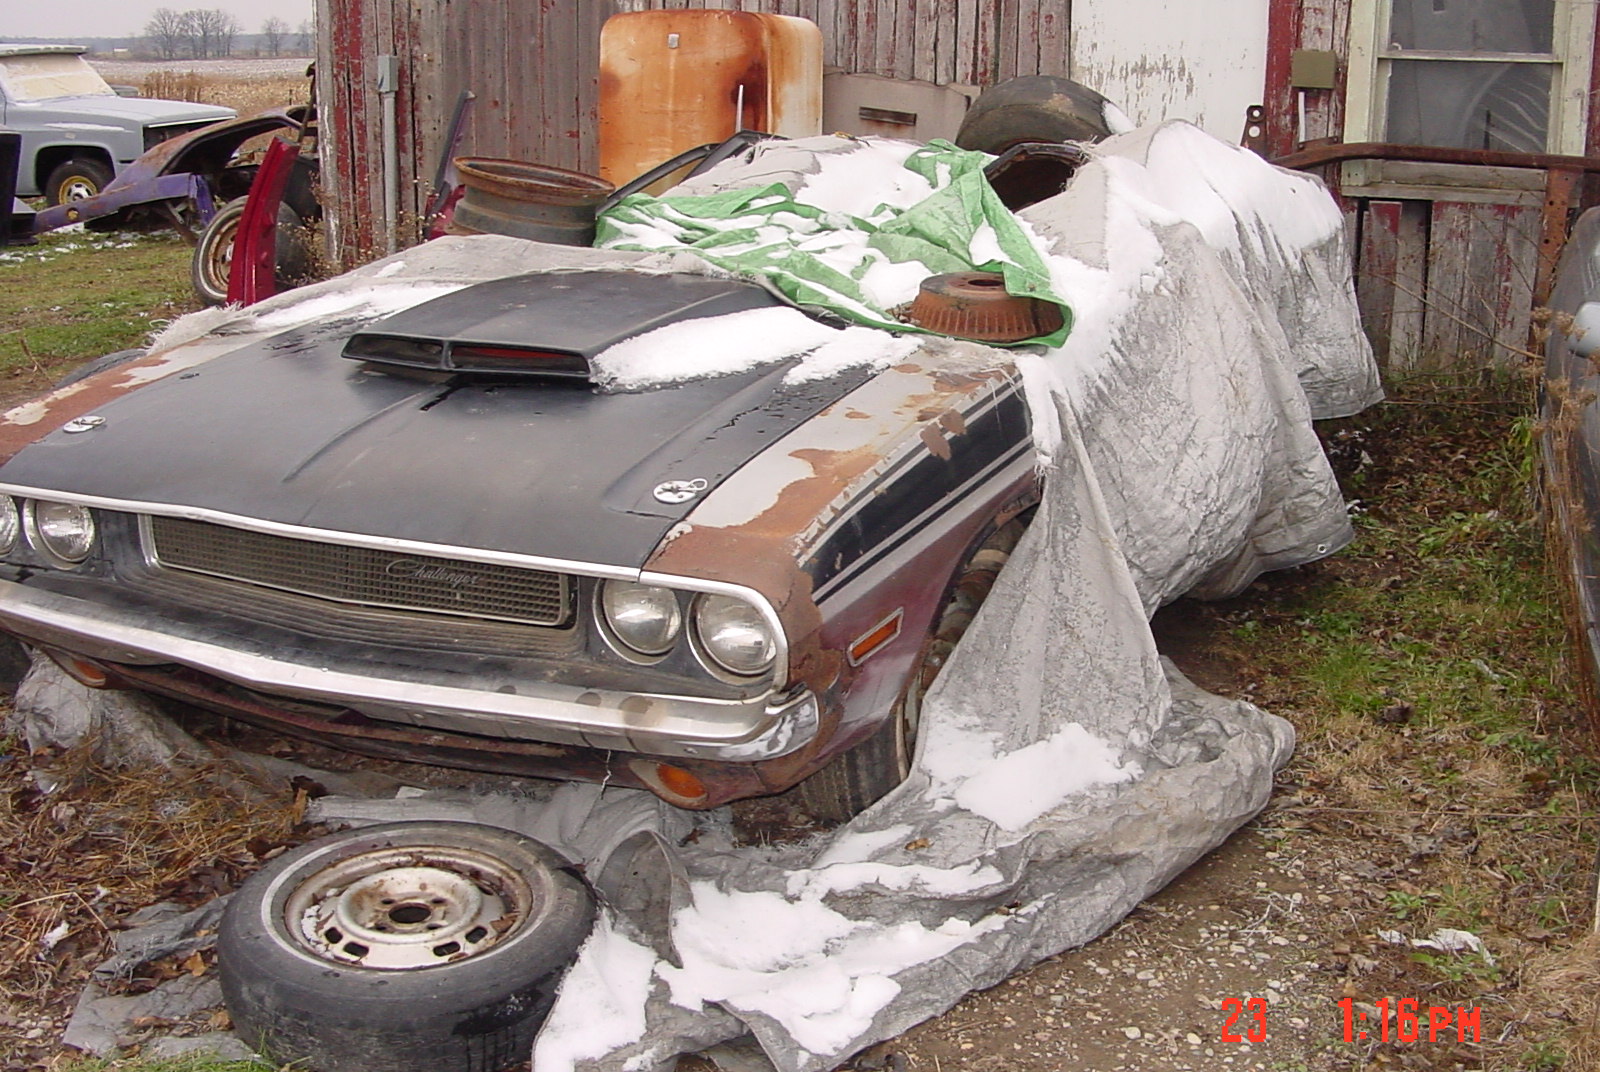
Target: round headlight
63	530
641	616
734	634
10	524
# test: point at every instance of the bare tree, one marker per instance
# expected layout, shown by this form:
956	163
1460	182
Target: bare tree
224	28
166	32
273	33
306	37
193	34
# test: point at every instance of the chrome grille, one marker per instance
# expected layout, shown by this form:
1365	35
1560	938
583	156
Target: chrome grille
361	575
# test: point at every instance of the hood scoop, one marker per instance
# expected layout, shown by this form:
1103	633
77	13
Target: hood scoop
546	325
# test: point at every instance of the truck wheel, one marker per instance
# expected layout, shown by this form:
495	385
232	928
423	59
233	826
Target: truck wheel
1033	108
75	180
406	947
213	254
859	777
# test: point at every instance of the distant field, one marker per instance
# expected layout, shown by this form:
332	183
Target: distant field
133	71
246	85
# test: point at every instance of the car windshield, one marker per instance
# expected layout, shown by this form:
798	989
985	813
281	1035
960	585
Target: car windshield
50	75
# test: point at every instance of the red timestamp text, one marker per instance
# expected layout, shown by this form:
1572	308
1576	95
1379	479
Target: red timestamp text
1408	1022
1249	1017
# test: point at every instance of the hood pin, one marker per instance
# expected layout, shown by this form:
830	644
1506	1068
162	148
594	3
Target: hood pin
83	424
680	491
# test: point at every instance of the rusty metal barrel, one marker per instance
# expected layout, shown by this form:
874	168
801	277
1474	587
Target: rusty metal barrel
532	201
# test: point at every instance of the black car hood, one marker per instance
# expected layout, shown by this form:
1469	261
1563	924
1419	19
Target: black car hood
289	431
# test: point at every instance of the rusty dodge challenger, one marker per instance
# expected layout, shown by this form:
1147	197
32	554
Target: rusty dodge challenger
428	536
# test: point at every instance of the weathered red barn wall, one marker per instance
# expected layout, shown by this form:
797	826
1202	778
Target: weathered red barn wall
1441	283
533	65
967	42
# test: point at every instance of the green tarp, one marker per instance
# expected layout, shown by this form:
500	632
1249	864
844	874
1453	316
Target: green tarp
822	259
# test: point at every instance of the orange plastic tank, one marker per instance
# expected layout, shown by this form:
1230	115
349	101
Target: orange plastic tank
672	80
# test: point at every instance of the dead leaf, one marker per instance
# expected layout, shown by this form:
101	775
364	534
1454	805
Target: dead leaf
196	964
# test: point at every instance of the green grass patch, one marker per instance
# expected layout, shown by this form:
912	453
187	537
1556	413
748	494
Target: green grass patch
80	294
184	1063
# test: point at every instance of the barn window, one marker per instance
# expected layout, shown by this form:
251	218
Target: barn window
1508	75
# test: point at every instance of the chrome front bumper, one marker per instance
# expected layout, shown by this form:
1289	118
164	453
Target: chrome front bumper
737	730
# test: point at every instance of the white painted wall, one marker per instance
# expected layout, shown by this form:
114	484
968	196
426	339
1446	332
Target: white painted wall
1174	59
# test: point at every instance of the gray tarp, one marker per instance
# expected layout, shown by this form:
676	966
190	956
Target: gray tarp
1064	771
1185	463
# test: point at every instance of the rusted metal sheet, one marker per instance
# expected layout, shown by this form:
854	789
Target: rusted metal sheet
1317	156
671	80
1561	188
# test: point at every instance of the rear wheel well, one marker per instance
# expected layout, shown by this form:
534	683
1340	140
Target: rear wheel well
53	156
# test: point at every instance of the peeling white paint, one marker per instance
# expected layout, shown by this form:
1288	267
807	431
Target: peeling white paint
35	410
1174	59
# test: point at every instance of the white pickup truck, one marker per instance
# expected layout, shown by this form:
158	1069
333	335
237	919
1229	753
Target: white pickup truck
77	133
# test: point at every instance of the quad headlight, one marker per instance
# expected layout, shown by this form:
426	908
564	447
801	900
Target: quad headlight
734	635
63	531
10	524
643	618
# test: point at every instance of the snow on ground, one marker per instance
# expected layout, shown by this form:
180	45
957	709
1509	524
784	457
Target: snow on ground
233	67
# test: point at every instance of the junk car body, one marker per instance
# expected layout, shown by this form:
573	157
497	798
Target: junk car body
392	535
437	531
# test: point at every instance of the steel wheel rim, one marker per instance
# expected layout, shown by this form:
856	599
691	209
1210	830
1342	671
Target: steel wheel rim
404	909
78	188
219	258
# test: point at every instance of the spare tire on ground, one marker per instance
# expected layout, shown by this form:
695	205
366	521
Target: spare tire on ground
1034	108
405	947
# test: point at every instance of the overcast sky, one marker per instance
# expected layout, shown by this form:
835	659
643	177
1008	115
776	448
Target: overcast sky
126	18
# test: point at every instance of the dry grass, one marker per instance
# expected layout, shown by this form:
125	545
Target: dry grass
244	95
1445	745
102	844
1569	981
